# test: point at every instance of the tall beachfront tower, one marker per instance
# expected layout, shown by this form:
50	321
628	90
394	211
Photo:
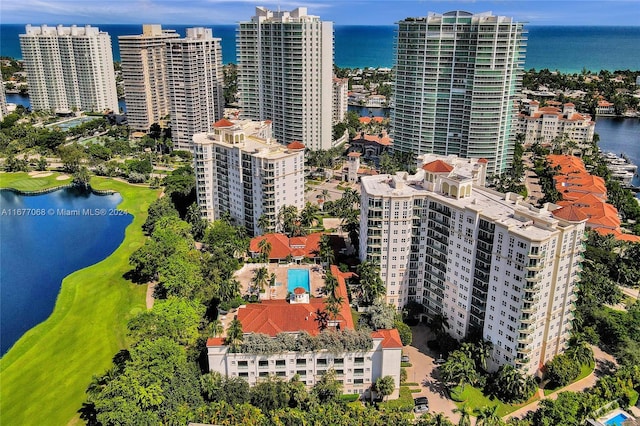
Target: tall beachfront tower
285	66
69	68
457	76
490	262
194	80
145	76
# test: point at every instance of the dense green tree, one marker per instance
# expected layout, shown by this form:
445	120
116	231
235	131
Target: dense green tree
162	207
561	370
328	388
81	178
384	386
270	394
404	331
71	157
176	318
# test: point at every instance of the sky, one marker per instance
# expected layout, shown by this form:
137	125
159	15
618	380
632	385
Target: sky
341	12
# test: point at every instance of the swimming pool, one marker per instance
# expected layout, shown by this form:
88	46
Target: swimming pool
298	278
617	420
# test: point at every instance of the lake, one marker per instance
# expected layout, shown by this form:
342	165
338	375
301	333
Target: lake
44	239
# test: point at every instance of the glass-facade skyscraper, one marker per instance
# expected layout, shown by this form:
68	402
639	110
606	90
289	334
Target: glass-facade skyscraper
457	75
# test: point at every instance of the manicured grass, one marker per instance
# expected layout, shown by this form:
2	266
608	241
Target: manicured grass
585	370
474	399
23	182
45	374
403	403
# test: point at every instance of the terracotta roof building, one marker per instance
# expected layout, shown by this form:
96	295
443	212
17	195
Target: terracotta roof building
356	370
547	123
587	194
371	146
283	246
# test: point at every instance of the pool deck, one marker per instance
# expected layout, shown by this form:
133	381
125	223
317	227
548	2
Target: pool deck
316	278
618	411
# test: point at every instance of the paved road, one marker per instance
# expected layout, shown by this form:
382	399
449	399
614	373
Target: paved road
423	371
531	181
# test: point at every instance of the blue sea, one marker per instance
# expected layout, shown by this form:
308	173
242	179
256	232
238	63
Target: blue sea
39	250
566	49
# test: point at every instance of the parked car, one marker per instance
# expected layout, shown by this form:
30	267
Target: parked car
405	358
439	361
421	400
420	408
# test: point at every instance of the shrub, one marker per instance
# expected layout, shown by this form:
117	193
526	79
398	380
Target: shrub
562	370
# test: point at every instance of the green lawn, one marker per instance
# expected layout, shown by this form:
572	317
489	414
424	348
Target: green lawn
404	401
23	182
46	372
585	370
474	398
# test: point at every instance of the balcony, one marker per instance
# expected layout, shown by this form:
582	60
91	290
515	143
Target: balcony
525	340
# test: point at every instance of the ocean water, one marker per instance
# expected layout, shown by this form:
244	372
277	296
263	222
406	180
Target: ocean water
38	251
566	49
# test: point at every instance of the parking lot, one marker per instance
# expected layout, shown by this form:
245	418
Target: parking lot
424	371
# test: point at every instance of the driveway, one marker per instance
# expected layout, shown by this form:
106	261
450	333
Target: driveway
424	372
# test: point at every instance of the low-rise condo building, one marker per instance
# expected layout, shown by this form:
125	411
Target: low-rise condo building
544	124
292	323
241	170
488	261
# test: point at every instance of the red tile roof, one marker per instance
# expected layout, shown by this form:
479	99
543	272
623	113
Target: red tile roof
222	123
384	140
215	341
364	120
354	154
438	166
295	145
390	338
483	160
282	246
570	213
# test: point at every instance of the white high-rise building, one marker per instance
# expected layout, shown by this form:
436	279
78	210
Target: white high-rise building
457	75
242	171
69	68
145	76
488	261
340	98
194	80
285	70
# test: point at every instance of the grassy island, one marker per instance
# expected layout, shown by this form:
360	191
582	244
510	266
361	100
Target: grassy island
46	372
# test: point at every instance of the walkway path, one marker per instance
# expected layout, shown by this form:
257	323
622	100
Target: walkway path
604	363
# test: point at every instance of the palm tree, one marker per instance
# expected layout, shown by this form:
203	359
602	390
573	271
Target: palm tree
309	215
371	285
325	250
333	305
265	249
234	333
458	370
322	318
325	194
465	415
330	284
439	324
287	218
264	223
488	416
216	328
260	278
581	352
